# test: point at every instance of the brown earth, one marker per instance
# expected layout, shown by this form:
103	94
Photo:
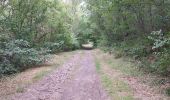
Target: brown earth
75	80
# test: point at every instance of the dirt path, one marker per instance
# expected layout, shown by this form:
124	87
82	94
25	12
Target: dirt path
75	80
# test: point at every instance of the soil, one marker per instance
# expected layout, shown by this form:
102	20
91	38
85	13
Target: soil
75	80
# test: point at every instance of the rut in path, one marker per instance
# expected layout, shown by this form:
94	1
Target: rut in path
75	80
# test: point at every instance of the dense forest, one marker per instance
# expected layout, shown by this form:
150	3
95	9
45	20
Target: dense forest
136	28
30	30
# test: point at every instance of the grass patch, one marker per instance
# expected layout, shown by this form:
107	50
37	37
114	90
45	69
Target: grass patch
40	75
111	71
125	67
97	65
20	89
117	88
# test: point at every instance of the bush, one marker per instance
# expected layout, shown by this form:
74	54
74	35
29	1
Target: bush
118	55
162	51
54	47
159	40
152	51
17	55
6	68
162	65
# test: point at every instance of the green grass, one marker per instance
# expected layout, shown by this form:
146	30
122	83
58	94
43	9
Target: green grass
97	66
20	89
40	75
114	86
125	67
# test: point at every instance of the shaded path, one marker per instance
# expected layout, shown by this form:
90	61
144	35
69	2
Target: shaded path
75	80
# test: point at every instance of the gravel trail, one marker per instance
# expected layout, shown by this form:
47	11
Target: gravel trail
75	80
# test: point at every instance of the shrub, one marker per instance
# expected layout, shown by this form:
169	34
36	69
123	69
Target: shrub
54	47
118	55
17	55
7	68
162	65
161	50
159	40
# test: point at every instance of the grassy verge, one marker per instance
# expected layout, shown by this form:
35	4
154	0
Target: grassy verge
97	65
117	89
125	81
124	66
40	75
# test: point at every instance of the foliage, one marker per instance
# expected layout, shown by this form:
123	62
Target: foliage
125	25
17	55
30	29
160	46
159	40
54	47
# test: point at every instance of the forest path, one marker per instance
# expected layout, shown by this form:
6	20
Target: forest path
77	79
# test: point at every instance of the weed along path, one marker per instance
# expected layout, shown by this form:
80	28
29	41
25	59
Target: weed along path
75	80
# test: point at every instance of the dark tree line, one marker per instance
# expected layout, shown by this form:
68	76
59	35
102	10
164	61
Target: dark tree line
32	29
133	27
